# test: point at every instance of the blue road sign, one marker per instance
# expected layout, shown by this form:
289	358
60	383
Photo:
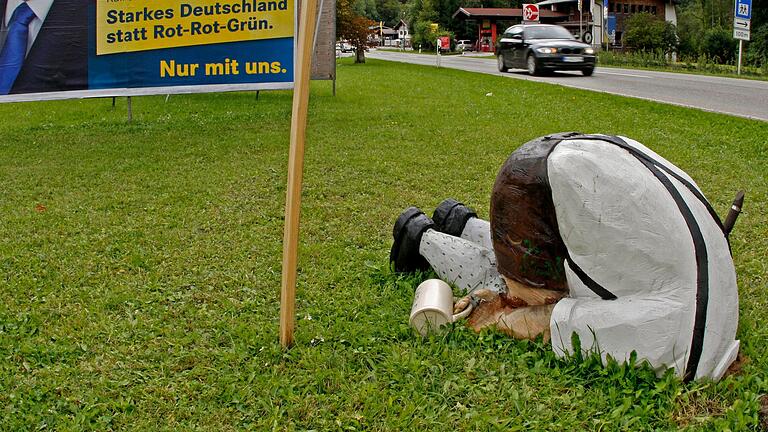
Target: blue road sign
744	9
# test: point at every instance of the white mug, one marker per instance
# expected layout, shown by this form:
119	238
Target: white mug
433	307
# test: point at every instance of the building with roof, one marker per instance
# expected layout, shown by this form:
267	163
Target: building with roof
587	25
490	20
381	35
403	35
579	22
617	12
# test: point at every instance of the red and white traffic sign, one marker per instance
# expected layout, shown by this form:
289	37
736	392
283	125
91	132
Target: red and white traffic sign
530	12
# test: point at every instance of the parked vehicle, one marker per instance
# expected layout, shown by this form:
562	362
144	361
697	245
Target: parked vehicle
344	47
543	47
464	45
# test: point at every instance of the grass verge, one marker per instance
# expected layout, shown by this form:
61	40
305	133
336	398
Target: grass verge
140	262
658	62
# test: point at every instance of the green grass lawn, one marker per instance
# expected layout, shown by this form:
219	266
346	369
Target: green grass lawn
140	262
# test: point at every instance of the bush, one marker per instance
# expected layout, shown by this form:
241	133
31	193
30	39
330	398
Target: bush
424	37
646	32
718	44
421	35
636	59
664	62
757	51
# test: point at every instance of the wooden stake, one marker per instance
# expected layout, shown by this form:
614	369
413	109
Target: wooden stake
733	213
307	13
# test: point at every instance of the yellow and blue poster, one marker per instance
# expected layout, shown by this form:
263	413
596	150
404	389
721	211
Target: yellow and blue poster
55	49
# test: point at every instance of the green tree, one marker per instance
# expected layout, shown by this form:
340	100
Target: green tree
422	35
690	27
423	15
390	11
353	27
704	28
445	10
366	8
719	44
757	52
646	32
757	48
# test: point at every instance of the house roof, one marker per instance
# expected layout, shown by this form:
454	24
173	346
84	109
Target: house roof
401	24
384	30
551	2
502	13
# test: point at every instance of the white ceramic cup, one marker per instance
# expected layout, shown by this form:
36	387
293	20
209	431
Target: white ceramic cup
433	307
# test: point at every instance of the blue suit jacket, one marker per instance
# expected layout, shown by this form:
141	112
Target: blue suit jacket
58	59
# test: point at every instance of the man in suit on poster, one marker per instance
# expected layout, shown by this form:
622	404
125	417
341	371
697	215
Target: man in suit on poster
43	46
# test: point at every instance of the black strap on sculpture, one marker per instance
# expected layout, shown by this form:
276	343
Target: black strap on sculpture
642	156
585	279
589	282
699	244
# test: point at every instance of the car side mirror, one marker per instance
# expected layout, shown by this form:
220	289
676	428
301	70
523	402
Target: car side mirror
517	36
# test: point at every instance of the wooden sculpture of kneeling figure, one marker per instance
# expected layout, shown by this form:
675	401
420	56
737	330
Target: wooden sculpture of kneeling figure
595	235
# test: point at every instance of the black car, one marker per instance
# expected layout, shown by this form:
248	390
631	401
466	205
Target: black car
543	47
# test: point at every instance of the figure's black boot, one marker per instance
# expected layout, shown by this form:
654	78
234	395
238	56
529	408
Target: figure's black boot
409	227
451	216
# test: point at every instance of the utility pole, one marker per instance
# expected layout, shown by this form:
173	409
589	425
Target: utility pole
581	17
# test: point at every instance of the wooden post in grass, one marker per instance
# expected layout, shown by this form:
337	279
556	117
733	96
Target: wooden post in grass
307	13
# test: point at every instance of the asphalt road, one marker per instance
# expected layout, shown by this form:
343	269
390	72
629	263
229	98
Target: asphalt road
739	97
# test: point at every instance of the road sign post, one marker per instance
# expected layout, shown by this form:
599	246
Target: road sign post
742	17
604	23
581	18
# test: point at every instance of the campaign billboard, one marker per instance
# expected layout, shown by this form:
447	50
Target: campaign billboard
55	49
610	28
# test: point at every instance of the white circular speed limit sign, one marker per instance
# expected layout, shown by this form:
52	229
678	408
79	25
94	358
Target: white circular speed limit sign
530	12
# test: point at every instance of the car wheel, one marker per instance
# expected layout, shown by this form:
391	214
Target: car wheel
588	71
533	67
500	61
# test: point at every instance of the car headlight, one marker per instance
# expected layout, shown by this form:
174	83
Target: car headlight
547	50
589	50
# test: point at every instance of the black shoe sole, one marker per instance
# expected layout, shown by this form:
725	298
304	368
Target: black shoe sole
451	217
409	227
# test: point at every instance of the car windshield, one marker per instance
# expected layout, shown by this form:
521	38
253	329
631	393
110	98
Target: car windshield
547	32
